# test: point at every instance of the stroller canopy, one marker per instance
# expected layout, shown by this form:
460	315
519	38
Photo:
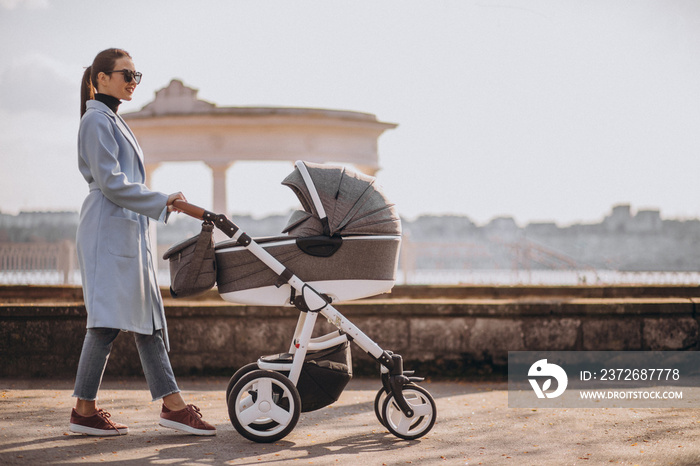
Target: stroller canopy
337	201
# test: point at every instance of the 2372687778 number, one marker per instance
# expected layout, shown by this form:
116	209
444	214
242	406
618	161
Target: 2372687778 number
639	374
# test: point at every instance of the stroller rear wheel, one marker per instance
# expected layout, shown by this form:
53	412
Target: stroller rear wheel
264	406
422	421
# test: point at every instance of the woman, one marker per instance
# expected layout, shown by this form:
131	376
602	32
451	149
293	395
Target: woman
116	263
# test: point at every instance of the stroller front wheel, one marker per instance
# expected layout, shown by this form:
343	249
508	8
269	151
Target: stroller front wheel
379	404
237	376
264	406
423	420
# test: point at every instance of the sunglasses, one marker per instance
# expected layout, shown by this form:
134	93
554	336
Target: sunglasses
128	75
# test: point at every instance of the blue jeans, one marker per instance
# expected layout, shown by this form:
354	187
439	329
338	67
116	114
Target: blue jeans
95	353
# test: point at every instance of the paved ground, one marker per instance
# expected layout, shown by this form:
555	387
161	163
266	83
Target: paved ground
474	426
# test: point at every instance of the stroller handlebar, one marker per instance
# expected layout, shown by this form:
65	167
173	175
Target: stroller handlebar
192	210
220	221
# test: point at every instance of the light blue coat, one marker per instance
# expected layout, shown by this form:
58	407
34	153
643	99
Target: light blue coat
113	240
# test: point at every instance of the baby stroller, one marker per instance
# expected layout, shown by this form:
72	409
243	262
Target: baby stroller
344	245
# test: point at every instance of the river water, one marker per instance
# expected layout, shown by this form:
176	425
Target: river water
441	277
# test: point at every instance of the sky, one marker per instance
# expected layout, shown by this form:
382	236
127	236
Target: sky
542	110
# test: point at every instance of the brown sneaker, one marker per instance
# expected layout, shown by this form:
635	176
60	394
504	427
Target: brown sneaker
98	424
187	420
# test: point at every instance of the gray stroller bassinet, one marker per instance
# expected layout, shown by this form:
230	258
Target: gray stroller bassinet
345	243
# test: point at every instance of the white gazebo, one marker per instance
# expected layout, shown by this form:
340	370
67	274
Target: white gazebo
178	127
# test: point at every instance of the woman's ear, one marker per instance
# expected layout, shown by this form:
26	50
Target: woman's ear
102	80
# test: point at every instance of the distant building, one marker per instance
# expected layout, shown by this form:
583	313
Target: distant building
619	220
624	240
542	228
647	221
38	226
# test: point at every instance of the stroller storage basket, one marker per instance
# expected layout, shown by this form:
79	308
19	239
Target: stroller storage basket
192	264
324	375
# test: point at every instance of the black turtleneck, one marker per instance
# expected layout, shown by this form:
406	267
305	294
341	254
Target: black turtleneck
108	100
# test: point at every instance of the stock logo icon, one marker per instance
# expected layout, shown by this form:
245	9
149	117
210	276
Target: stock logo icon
542	369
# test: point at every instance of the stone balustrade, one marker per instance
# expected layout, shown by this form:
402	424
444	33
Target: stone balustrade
440	331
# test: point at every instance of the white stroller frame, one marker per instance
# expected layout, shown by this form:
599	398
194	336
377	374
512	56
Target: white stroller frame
404	408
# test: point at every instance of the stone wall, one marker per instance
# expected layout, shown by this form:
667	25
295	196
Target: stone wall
440	331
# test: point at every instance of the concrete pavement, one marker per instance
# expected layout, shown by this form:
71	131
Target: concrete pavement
474	426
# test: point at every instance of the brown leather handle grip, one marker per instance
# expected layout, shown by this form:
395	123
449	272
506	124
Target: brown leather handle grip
220	221
189	209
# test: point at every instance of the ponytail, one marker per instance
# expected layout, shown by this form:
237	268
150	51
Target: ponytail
103	62
87	90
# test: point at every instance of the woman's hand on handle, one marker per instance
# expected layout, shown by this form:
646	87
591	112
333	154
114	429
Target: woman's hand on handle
179	204
171	201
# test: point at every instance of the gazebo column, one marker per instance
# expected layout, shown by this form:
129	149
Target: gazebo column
153	226
150	168
367	169
218	175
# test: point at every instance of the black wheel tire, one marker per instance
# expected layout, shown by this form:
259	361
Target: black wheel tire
379	404
423	420
237	376
282	394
